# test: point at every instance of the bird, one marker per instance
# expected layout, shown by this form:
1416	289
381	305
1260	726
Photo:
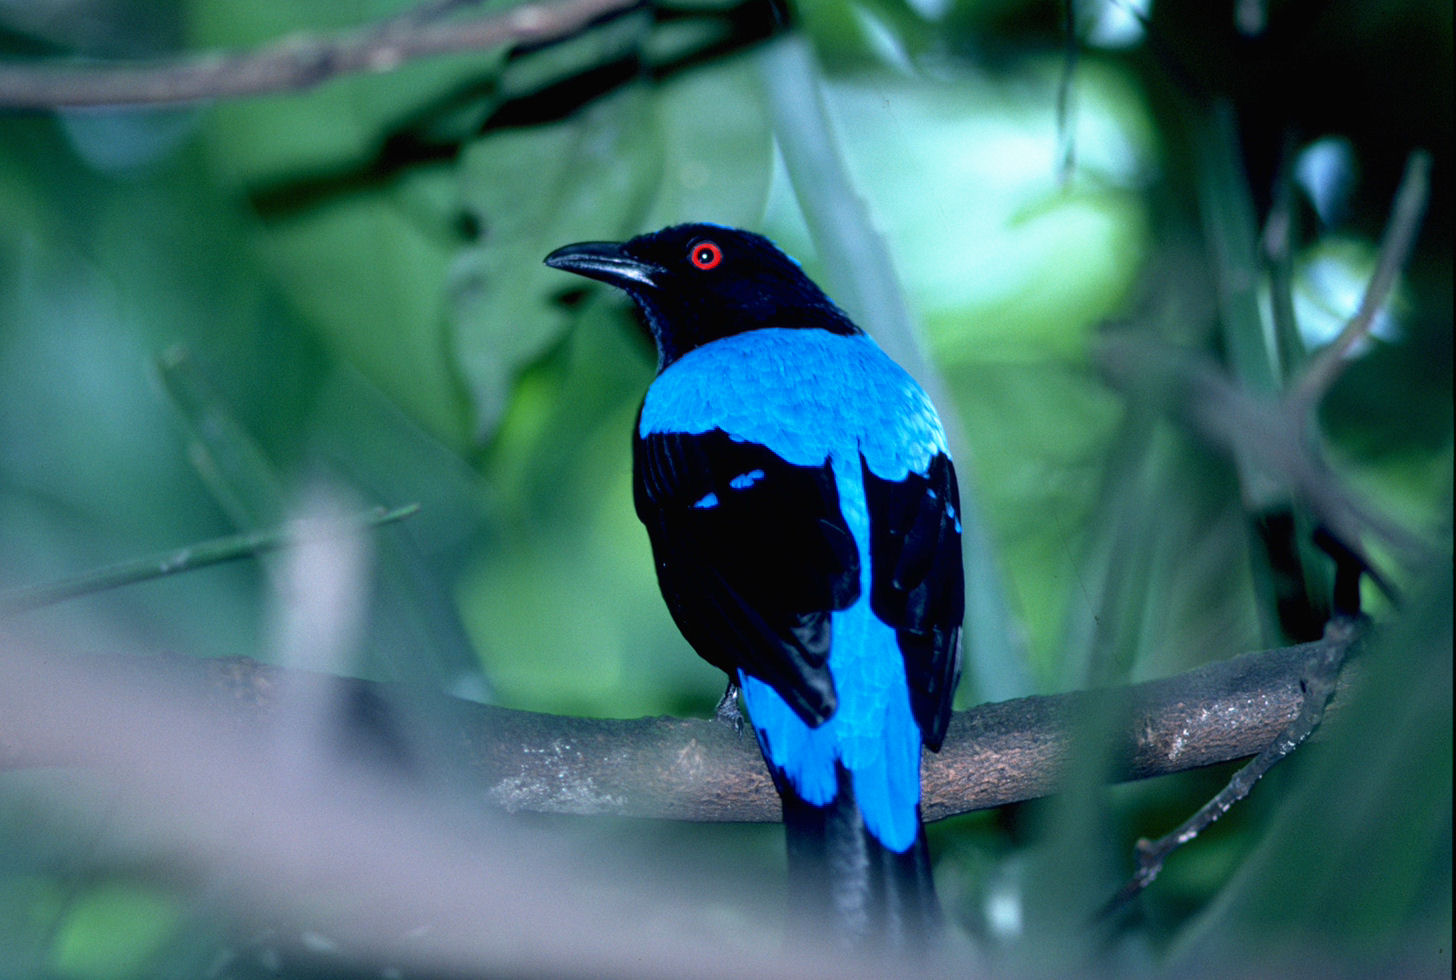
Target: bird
803	513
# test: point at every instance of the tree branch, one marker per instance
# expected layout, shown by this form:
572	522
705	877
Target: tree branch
673	768
1280	436
294	63
1395	248
1267	432
1320	678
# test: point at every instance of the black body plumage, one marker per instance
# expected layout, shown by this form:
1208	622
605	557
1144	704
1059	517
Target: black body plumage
803	513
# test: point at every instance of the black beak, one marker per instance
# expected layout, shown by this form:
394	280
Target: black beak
608	262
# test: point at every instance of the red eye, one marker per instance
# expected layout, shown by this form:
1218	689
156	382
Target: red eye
705	255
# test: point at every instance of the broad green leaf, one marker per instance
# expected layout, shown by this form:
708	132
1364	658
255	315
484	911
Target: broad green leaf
361	252
531	190
113	930
998	260
717	149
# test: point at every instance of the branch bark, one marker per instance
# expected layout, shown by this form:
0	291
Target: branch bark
671	768
1319	680
292	63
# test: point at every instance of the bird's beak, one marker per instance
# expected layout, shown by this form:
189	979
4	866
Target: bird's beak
608	262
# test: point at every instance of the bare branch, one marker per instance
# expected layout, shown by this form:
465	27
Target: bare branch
186	756
1269	433
1395	248
1322	672
702	770
293	63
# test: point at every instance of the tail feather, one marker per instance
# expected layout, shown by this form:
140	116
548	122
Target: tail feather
840	875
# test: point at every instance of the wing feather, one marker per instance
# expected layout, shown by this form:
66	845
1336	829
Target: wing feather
918	585
752	554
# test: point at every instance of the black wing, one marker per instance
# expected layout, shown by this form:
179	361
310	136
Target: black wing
752	556
918	585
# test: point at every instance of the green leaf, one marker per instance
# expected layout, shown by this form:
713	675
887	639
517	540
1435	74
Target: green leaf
999	261
361	251
230	462
113	931
531	190
718	161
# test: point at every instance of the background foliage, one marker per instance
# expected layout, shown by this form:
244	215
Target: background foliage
201	308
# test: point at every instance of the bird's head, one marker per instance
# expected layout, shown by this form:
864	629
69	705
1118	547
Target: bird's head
699	283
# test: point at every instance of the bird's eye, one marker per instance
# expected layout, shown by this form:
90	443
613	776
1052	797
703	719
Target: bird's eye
705	255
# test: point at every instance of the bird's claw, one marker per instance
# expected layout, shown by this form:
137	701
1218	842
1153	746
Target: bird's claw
728	710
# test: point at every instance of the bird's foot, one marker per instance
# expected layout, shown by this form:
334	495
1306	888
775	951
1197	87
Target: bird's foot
728	710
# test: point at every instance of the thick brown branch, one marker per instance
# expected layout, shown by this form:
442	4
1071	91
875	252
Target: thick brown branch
293	63
1320	678
695	769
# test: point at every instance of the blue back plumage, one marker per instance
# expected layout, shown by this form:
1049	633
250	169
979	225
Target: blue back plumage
806	394
811	395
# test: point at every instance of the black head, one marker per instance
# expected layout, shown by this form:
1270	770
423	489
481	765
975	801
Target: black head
698	283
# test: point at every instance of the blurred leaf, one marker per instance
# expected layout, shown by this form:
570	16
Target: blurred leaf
369	273
531	190
415	631
718	161
115	141
113	930
1037	479
998	261
604	173
870	32
569	615
1227	209
230	462
1095	239
30	907
97	273
361	251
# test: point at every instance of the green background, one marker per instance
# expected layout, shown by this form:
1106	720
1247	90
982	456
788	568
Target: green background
203	309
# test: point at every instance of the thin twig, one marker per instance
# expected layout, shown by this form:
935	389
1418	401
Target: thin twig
194	556
1268	433
1321	672
1395	248
293	63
